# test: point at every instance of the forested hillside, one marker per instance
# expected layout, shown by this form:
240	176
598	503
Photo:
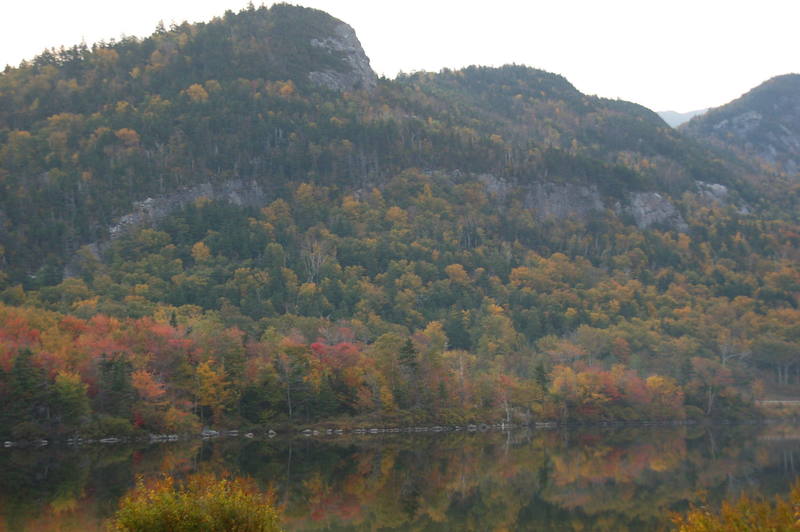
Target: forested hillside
86	132
480	244
761	125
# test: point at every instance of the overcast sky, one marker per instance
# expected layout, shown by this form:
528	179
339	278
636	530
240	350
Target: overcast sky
667	55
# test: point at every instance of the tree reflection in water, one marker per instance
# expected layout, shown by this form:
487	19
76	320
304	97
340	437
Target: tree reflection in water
587	479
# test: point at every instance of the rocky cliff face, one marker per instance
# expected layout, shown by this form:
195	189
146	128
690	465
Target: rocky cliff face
557	201
551	201
359	76
548	201
651	209
150	211
764	124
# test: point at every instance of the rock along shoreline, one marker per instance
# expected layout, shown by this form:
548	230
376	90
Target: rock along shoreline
336	431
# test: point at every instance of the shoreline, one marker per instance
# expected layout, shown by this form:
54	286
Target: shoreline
328	429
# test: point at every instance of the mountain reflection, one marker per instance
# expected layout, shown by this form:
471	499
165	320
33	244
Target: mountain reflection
592	479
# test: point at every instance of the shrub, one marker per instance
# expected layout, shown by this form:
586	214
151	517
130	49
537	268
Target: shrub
104	426
202	503
28	430
745	514
180	422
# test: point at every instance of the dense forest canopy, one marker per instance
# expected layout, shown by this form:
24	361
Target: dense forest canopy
480	244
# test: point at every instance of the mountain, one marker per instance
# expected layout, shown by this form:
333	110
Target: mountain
675	119
276	95
237	223
763	124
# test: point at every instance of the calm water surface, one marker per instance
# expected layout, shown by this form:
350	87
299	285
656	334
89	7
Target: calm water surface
577	479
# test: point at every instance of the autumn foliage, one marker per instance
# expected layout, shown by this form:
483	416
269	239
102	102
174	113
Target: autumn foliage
391	262
200	503
295	319
63	374
745	513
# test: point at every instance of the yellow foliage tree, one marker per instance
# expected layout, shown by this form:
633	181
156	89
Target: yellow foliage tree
197	93
213	389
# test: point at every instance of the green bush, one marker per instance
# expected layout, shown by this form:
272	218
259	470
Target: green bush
202	503
105	426
28	430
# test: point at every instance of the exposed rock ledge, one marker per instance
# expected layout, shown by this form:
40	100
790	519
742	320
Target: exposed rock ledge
345	43
548	201
716	194
149	211
651	209
556	201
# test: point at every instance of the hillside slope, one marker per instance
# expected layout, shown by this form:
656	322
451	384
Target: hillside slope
764	124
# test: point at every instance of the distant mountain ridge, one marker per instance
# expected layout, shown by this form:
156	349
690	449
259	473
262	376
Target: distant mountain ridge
675	119
764	124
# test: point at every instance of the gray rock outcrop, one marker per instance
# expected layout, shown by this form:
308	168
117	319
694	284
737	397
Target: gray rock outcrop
359	75
547	200
652	209
149	211
711	194
557	201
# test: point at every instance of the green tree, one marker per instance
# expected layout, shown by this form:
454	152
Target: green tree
28	391
115	393
69	398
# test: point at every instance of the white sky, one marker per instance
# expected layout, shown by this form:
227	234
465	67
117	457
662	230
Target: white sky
667	55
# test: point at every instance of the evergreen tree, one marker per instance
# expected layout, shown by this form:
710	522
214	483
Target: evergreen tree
115	389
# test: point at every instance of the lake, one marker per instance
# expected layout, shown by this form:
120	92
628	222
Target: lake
583	479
